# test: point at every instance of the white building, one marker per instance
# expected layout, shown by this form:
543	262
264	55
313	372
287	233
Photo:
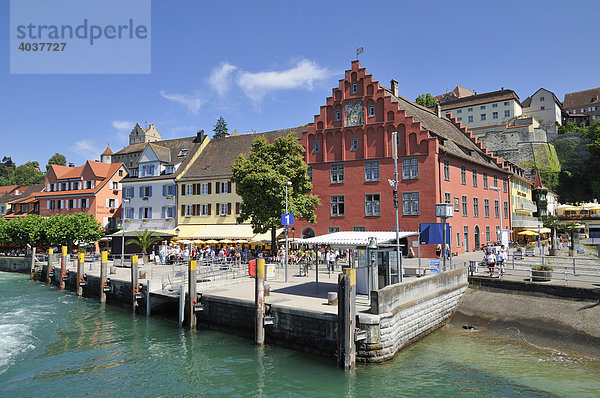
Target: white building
484	110
546	109
149	193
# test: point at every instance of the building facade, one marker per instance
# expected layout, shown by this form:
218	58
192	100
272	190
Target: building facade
349	153
586	102
93	188
521	201
546	108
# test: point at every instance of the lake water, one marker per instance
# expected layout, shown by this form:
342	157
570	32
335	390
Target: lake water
53	343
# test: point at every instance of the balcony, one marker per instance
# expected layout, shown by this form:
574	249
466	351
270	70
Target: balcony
526	205
525	221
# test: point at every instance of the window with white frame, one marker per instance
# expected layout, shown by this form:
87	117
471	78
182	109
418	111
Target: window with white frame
464	205
495	181
71	204
504	184
336	173
169	169
371	110
496	209
189	189
475	207
372	204
146	191
224	208
485	180
114	185
475	178
189	210
447	197
316	146
459	119
447	170
487	233
372	170
336	203
85	203
494	115
470	119
331	230
111	203
145	212
459	111
541	98
482	116
482	107
410	203
494	105
224	187
51	204
463	175
354	144
359	228
129	213
470	109
505	209
204	187
410	168
506	103
486	208
204	210
507	113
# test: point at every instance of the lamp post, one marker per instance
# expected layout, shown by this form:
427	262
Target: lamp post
293	235
372	246
395	156
123	233
287	184
444	211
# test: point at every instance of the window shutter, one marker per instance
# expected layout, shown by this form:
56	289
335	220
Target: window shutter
48	204
93	183
119	186
217	209
182	189
209	188
107	203
217	187
209	206
228	208
182	210
79	203
149	212
141	192
48	188
164	191
237	207
150	191
194	191
116	203
196	210
141	212
163	211
228	186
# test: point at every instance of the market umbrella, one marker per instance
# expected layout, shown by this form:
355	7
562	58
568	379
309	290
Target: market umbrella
226	241
198	241
240	241
211	241
545	230
184	241
527	232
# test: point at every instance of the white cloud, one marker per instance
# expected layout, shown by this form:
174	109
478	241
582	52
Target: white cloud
87	149
191	102
303	75
220	78
123	125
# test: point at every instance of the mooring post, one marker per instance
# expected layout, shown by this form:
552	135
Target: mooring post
32	273
103	269
63	268
134	282
80	263
49	269
346	318
148	297
181	304
192	293
259	301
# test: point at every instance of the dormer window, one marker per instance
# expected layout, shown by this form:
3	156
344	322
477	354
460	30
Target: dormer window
182	153
169	170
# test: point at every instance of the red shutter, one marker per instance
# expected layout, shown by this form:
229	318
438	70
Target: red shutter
237	207
217	187
228	208
182	210
229	186
209	206
182	189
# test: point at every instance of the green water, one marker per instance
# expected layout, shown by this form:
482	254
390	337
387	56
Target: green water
55	344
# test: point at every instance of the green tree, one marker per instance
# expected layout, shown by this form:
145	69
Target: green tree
592	138
29	174
571	228
5	236
28	230
144	240
220	129
58	159
260	179
426	100
73	228
571	127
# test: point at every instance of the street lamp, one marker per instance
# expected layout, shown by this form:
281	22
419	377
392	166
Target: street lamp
287	184
372	246
444	211
395	156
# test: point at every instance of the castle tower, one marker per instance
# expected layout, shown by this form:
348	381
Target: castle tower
140	134
106	156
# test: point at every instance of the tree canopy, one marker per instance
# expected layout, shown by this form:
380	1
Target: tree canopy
426	100
260	180
58	159
220	129
23	175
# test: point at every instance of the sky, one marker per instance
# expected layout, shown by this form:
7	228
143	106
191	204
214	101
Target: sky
271	64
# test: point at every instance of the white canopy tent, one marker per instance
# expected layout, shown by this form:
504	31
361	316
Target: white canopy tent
354	239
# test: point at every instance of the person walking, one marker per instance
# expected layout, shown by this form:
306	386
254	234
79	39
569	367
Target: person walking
500	258
491	262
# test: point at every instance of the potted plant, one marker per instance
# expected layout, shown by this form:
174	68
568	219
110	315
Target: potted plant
518	253
571	228
541	273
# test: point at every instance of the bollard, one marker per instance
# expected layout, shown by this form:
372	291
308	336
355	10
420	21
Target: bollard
49	270
80	281
193	266
63	268
148	297
259	301
181	304
134	282
103	269
574	271
346	318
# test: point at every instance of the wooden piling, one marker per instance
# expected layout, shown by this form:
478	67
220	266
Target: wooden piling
32	273
80	263
148	297
181	304
103	271
346	319
49	268
259	301
63	267
193	266
135	286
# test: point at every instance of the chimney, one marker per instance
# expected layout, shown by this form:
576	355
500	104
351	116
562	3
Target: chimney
394	87
199	136
438	110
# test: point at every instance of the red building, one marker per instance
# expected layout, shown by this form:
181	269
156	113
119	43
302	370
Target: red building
349	153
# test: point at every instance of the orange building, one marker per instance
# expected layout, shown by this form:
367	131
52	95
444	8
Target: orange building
93	188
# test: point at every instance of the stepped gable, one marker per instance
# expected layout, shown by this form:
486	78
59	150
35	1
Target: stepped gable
220	153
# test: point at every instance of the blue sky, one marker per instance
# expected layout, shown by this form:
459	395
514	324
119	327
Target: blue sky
270	64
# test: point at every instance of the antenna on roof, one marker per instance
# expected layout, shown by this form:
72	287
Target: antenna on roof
358	51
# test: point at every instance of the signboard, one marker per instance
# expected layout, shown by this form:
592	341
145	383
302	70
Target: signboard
433	234
444	210
504	237
287	219
434	266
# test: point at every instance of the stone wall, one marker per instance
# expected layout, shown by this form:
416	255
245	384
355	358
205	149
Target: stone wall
15	264
402	314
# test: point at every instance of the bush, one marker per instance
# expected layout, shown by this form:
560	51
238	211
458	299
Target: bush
530	246
543	268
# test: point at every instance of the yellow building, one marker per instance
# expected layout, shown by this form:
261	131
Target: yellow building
521	203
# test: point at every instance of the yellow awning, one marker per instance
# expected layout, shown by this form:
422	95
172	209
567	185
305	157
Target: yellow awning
188	231
224	231
266	237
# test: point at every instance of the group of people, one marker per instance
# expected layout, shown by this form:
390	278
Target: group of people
495	257
304	257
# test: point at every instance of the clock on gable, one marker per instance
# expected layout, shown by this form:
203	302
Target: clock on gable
355	114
